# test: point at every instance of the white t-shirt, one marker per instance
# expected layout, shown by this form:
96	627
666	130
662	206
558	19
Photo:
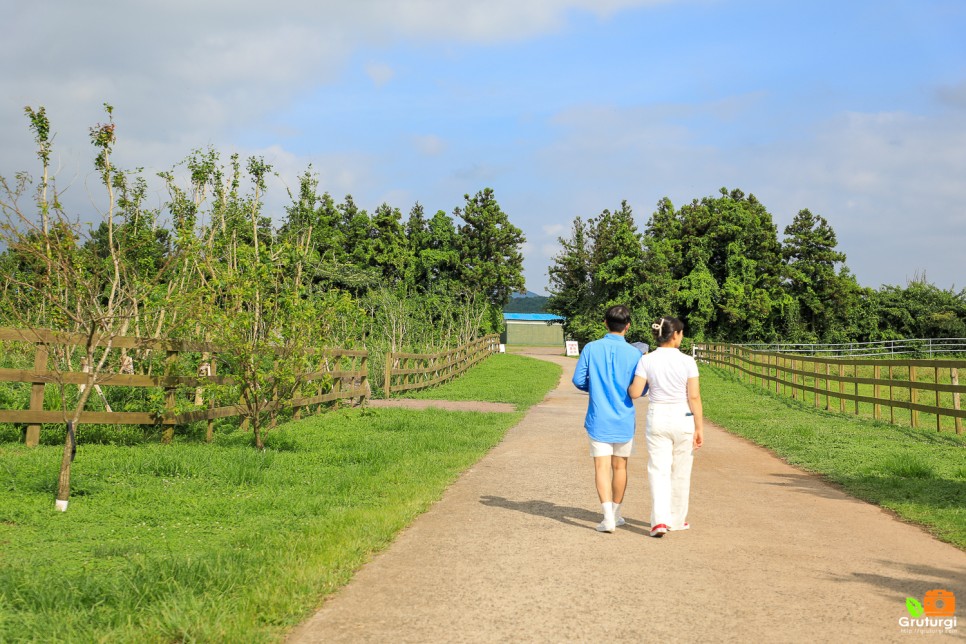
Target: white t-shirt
667	371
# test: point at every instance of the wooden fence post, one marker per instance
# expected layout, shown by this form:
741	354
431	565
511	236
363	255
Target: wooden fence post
32	438
784	376
827	387
841	388
913	398
876	391
388	380
938	415
210	429
892	408
815	393
855	387
167	431
364	383
954	376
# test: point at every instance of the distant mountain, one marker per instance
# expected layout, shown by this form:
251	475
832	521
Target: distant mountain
524	295
529	303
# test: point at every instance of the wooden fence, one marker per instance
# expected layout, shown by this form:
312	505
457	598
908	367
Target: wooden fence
408	371
343	373
927	392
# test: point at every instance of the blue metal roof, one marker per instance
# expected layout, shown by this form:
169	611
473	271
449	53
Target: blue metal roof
532	317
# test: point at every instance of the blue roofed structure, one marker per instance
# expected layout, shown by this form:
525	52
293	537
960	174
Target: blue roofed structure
541	317
533	330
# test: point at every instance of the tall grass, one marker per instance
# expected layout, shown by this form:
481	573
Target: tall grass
917	473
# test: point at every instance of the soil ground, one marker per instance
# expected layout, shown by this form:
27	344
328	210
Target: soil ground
510	553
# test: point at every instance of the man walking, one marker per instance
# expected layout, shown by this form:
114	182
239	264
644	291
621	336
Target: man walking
605	369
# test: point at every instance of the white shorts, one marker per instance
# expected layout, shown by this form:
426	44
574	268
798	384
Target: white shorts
598	448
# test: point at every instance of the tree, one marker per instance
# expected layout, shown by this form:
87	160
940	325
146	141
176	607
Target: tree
492	262
922	310
88	285
822	293
390	253
734	237
571	286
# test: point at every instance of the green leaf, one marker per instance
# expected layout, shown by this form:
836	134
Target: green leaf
914	607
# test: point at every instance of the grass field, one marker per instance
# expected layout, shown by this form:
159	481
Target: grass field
502	377
198	542
918	473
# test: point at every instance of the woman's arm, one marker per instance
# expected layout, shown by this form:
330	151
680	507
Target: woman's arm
694	402
637	387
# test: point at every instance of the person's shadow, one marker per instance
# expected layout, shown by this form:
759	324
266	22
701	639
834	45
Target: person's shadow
577	517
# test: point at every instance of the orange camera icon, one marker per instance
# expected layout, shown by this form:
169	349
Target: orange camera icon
939	603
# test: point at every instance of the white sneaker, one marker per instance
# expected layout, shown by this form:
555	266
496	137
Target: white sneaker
619	521
604	526
686	526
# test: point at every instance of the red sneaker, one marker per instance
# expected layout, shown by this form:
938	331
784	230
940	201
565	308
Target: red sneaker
659	530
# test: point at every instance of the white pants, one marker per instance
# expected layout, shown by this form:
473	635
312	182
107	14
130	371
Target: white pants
670	452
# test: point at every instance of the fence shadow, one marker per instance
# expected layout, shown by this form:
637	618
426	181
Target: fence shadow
934	491
909	580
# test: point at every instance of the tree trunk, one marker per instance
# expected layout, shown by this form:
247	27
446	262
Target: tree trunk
63	481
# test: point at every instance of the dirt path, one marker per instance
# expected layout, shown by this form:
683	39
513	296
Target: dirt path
510	554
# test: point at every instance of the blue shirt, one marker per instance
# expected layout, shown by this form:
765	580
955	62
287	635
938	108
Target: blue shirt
605	369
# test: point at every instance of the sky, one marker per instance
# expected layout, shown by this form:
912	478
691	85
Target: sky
855	110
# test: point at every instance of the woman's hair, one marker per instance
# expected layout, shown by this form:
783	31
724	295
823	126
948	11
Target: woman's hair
665	328
617	318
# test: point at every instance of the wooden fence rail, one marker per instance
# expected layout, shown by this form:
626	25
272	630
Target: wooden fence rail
341	374
919	387
409	371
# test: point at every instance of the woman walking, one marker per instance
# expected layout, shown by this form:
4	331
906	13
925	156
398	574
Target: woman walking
674	424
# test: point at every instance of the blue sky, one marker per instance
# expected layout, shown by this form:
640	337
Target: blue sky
855	110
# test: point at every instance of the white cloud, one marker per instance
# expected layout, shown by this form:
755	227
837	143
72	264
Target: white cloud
184	74
429	145
553	230
889	183
379	73
953	95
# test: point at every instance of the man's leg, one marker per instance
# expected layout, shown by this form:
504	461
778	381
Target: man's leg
619	482
603	477
619	465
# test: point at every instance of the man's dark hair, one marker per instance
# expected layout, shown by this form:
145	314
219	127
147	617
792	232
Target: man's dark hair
617	318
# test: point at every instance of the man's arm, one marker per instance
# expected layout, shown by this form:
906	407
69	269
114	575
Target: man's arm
581	377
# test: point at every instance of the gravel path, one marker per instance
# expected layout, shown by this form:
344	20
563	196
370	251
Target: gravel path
510	554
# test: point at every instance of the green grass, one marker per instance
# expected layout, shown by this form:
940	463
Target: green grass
503	377
197	542
917	473
217	542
